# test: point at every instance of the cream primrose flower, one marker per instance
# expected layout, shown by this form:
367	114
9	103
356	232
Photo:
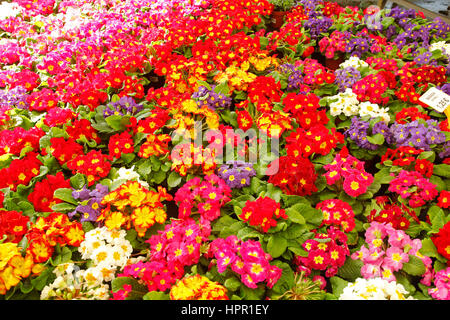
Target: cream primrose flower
102	255
92	277
129	174
374	289
346	102
354	62
8	9
368	109
440	45
383	114
75	284
107	270
336	108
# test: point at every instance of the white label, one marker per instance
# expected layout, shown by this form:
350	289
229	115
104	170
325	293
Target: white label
436	99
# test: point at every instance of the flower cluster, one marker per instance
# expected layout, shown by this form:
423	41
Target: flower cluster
198	287
92	199
326	251
413	186
131	203
346	78
347	103
388	250
14	267
237	174
348	172
121	143
442	241
13	225
108	250
125	105
20	171
262	212
42	196
72	283
173	248
247	259
374	289
94	165
205	197
392	214
336	42
338	213
296	176
418	135
47	232
441	291
316	140
210	98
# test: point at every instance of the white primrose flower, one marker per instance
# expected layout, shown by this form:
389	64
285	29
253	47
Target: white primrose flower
383	114
8	9
129	174
440	45
353	61
336	108
350	109
374	289
367	108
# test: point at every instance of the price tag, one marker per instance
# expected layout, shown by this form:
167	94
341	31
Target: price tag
437	99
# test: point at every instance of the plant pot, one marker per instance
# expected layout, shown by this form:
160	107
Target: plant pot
277	18
333	64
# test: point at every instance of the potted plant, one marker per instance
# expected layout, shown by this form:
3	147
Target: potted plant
333	48
280	9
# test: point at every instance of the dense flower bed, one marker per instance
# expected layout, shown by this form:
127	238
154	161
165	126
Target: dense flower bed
129	168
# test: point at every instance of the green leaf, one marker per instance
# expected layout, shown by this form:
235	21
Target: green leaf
174	179
294	231
286	280
299	251
414	266
232	284
63	206
311	215
338	285
350	270
276	245
427	155
252	294
78	181
290	200
41	281
223	222
117	122
87	226
159	177
66	255
65	194
246	233
145	167
377	139
295	215
440	184
222	88
437	218
26	287
156	295
232	229
429	249
442	170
